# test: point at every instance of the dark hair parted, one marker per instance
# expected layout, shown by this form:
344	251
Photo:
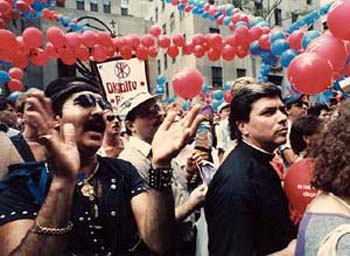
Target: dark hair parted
332	155
303	126
243	98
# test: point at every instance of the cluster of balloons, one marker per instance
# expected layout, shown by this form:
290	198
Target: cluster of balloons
13	78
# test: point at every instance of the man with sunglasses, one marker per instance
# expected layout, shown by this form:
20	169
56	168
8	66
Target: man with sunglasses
142	118
8	118
112	144
79	203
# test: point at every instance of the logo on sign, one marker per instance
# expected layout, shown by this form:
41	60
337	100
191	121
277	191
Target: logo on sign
122	70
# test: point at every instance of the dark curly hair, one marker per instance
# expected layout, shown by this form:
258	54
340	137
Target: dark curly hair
332	155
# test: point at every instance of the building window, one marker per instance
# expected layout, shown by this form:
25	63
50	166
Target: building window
156	14
258	7
325	26
60	3
164	29
174	60
182	15
106	6
214	30
309	2
159	67
124	7
294	17
80	4
216	77
311	27
93	6
163	6
172	22
165	61
241	72
278	17
211	1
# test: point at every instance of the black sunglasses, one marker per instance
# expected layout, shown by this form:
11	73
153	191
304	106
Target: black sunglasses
147	112
111	118
89	101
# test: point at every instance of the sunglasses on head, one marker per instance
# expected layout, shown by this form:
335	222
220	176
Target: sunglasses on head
111	118
89	101
147	112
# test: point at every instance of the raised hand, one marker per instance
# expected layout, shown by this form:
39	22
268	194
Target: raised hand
61	148
170	139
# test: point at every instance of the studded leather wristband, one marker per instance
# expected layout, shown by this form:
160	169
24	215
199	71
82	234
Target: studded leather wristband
160	178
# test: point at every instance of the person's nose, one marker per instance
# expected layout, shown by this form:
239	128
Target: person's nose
97	109
282	116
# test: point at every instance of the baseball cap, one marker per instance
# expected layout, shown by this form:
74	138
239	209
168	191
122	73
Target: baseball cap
292	98
222	106
61	88
127	105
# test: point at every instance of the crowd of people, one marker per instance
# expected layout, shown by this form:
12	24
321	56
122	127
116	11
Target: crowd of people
262	175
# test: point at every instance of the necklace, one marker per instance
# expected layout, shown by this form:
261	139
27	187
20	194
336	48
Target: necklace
87	189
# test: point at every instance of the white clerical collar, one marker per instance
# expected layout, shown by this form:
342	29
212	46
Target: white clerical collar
256	147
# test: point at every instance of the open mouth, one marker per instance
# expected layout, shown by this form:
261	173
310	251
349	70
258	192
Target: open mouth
95	125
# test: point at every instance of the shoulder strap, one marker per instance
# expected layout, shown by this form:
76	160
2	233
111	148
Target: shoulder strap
328	245
23	148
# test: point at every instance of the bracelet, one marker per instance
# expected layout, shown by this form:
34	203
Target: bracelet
37	229
160	178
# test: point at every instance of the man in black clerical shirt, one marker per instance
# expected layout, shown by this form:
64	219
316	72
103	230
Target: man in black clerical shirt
246	208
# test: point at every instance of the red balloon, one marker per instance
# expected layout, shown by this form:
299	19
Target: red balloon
228	52
330	48
15	85
73	39
5	7
173	51
16	73
228	96
51	50
89	38
232	40
295	38
104	38
147	40
214	40
164	41
198	39
255	33
266	30
155	30
125	52
152	52
118	42
220	19
188	83
264	42
141	52
99	53
82	53
132	40
337	17
56	36
19	59
32	37
242	51
39	57
187	48
310	73
179	40
188	8
242	35
213	54
7	39
68	57
198	51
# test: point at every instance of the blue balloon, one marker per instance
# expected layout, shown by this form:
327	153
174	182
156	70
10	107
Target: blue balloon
254	48
279	46
205	88
170	100
229	10
180	7
263	24
14	96
186	105
276	35
168	1
37	6
161	80
268	57
287	56
205	15
160	90
308	37
256	21
227	20
4	76
218	95
215	104
227	86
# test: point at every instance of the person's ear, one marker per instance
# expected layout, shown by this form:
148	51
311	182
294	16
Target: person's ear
242	127
307	139
130	126
56	121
